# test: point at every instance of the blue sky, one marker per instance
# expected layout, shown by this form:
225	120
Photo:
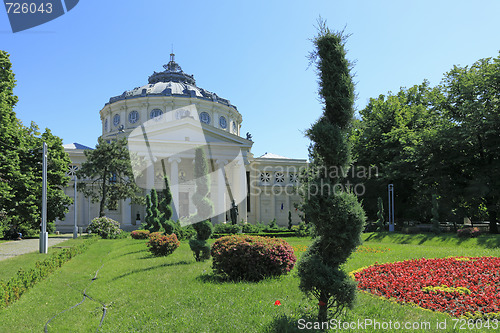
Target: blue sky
253	53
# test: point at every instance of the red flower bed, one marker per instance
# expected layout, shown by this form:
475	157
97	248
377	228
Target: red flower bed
460	286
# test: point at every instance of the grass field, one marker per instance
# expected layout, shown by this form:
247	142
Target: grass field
142	293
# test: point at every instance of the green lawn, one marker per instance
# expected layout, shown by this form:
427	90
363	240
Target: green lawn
176	294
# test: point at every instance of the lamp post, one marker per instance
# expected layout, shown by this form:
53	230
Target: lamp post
75	226
391	207
44	237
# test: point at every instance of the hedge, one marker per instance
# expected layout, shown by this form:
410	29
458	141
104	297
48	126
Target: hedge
12	290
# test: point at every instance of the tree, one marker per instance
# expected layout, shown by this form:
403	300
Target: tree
165	207
204	208
391	135
148	223
338	217
436	228
20	164
159	212
110	175
473	136
9	132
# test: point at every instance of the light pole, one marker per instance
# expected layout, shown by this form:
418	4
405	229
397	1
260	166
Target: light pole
391	207
44	237
75	227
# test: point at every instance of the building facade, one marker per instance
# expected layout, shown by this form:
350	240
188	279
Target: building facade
164	122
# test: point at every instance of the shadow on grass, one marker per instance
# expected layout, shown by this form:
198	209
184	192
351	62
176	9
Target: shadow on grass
290	324
132	252
416	239
487	241
218	279
136	271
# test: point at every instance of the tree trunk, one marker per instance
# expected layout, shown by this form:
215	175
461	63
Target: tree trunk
104	193
323	309
492	213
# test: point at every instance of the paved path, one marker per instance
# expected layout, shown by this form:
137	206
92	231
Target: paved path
15	248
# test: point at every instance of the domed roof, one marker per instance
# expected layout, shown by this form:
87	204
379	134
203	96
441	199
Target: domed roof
171	82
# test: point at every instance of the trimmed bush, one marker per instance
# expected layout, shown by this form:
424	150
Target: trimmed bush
162	245
105	227
140	234
185	232
252	258
468	232
227	228
252	228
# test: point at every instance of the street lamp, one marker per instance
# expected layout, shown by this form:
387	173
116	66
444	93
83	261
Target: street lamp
75	227
391	207
44	236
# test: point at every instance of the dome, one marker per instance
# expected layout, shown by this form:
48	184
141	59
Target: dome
171	82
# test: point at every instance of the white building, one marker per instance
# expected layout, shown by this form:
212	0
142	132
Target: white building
164	121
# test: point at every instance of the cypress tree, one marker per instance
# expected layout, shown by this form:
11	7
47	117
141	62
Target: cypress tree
337	216
166	209
204	208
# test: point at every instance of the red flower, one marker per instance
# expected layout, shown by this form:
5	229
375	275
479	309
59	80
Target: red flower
453	285
277	303
321	303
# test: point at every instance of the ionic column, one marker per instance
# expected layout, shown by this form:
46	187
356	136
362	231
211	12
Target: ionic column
240	190
150	180
174	185
221	191
126	212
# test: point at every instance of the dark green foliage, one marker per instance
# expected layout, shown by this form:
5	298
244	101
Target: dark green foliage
148	222
166	210
25	279
110	168
252	228
272	225
380	215
204	208
158	214
290	224
252	258
338	218
184	232
201	250
443	140
20	164
227	228
155	212
303	230
389	139
436	228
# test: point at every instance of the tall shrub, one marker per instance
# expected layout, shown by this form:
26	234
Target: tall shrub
337	215
204	208
166	209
